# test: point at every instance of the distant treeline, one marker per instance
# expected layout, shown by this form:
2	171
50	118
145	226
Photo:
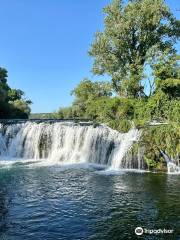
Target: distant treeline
42	116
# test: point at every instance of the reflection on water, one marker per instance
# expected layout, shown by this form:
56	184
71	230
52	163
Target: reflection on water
56	203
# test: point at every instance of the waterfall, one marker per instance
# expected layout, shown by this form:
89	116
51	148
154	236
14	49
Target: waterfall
66	142
172	167
117	160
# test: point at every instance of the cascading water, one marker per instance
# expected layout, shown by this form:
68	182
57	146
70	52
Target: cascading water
117	160
66	142
172	167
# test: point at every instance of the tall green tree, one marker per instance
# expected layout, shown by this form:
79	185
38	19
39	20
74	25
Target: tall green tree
12	101
88	91
133	33
167	75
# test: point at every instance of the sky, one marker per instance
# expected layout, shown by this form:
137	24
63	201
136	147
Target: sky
44	46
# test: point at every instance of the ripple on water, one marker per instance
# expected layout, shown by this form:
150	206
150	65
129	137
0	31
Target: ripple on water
83	203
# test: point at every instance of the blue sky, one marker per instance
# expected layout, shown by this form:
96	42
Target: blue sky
44	46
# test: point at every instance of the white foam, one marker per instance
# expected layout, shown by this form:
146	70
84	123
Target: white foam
61	143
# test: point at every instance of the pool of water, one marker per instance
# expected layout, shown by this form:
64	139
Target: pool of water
74	203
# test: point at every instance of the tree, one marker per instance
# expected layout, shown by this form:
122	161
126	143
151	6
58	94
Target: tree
4	88
12	101
167	75
20	109
88	91
133	33
15	94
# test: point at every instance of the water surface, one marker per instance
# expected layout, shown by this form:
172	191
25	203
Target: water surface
77	203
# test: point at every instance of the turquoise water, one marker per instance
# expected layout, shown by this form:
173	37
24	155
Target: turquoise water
75	203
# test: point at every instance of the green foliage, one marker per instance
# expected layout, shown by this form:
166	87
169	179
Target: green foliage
87	94
167	75
21	108
133	33
88	89
43	115
12	103
4	88
163	137
15	94
150	163
66	112
115	112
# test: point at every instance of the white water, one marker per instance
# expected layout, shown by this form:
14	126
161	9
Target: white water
129	138
66	143
172	168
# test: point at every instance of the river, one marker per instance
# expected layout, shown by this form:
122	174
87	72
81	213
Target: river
84	202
